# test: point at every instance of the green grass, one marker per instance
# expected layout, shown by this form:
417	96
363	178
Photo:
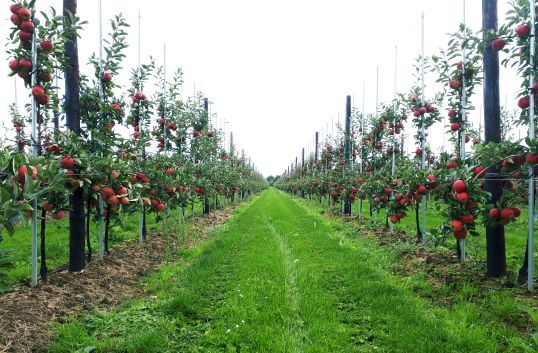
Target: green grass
515	233
279	277
57	241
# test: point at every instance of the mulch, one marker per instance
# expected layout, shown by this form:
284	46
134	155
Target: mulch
27	315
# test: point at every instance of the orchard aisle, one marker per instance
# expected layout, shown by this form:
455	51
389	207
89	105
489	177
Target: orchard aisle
277	278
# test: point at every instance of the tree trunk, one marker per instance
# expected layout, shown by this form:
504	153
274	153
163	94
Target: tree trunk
207	206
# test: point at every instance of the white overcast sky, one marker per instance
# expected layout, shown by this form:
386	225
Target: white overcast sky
279	70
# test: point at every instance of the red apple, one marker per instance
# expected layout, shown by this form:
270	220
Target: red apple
460	234
42	100
27	26
14	65
523	102
532	158
113	200
498	44
45	77
25	65
24	13
495	213
455	84
37	91
479	171
462	197
46	45
67	162
521	30
467	218
456	225
22	172
122	190
25	36
14	8
15	19
507	213
58	215
459	186
517	212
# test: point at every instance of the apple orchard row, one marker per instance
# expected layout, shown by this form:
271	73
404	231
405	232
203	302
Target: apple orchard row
171	157
456	181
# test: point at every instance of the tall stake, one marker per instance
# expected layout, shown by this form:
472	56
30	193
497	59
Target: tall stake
77	258
377	92
164	100
394	108
532	190
495	242
423	132
35	148
101	97
141	213
463	113
377	115
361	142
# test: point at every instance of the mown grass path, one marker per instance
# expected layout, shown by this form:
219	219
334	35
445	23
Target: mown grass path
278	278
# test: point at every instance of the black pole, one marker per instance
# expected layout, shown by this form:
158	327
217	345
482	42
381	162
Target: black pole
144	229
347	151
302	173
88	220
77	258
495	243
207	204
